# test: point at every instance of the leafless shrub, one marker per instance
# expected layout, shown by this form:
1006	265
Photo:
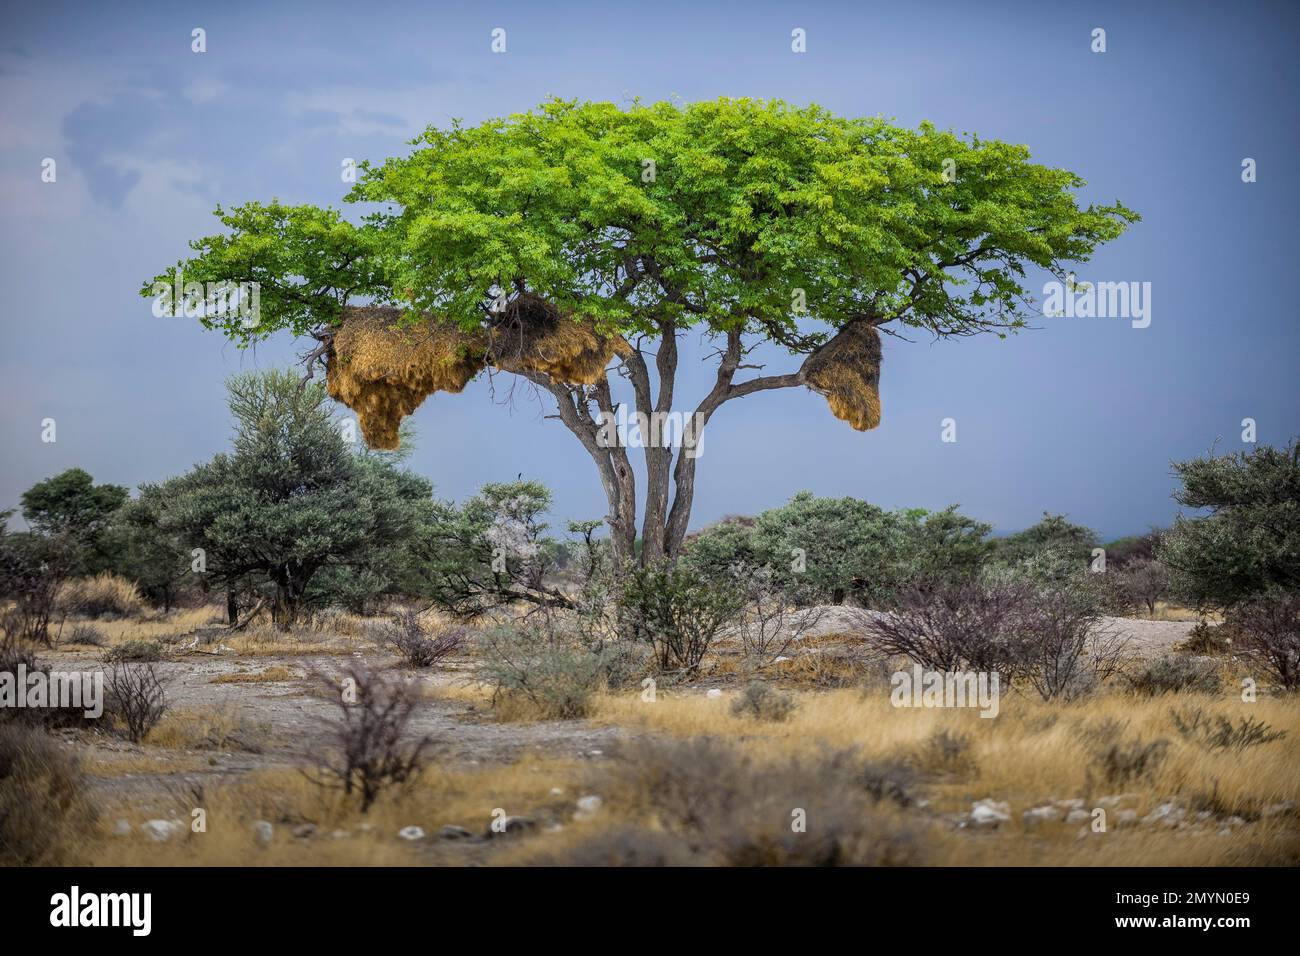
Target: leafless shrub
1140	582
409	636
32	570
136	696
1061	647
1269	628
773	619
950	625
372	746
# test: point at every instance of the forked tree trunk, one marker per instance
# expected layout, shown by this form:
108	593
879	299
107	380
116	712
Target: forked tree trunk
663	529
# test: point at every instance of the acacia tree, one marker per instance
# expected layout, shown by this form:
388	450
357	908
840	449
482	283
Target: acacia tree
291	499
750	221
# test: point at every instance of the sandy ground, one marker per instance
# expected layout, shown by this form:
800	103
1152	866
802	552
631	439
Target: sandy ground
287	721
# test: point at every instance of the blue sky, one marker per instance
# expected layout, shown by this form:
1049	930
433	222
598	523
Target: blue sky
1081	416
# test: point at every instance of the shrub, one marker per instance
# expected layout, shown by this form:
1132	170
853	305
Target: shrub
951	625
408	635
1269	629
763	701
1207	640
32	569
1140	582
1060	646
711	804
1216	732
1249	542
556	676
134	652
947	752
372	747
1124	761
676	611
12	656
103	595
42	806
772	619
1174	674
136	697
87	635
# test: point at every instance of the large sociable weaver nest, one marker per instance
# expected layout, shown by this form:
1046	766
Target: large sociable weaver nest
383	367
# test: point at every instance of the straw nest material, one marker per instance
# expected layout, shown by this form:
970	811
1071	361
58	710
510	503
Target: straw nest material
847	371
383	370
531	335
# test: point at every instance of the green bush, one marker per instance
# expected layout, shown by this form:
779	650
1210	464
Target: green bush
556	676
676	611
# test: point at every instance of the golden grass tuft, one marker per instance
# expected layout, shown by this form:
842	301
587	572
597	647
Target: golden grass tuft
846	370
268	676
105	593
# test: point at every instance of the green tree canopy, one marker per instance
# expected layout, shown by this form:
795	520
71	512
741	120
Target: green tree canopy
752	220
1249	542
1054	540
291	498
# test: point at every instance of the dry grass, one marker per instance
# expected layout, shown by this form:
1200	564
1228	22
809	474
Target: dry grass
288	799
1032	752
270	675
105	593
1167	611
212	728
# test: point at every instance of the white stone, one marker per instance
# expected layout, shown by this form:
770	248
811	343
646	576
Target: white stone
588	807
160	831
411	833
263	832
989	813
713	694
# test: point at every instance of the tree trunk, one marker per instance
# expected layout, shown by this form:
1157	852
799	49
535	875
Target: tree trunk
232	607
